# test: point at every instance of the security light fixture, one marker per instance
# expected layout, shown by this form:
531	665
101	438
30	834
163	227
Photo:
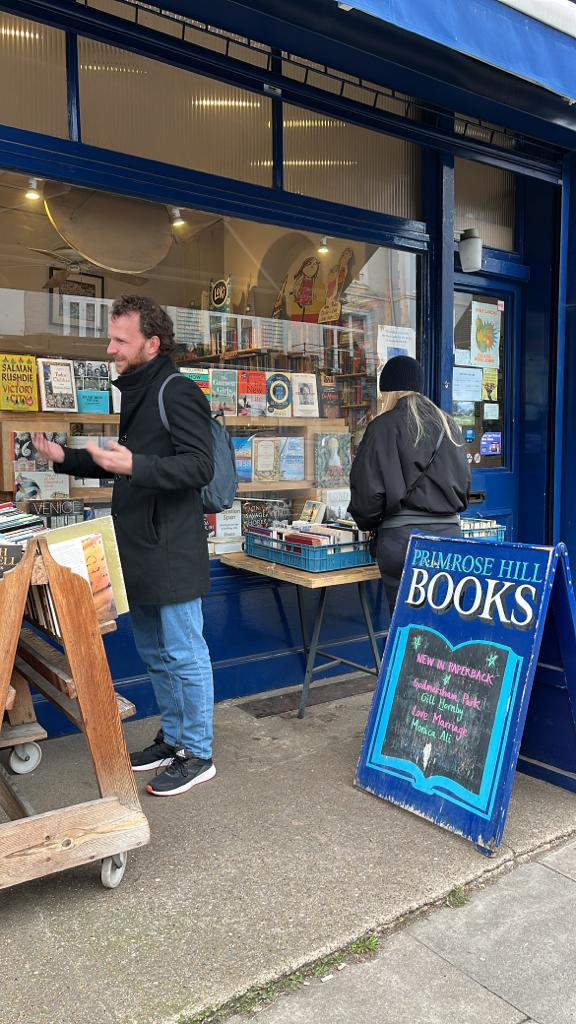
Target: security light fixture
470	249
323	247
32	190
176	217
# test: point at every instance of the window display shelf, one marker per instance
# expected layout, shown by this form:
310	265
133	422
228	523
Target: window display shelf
257	486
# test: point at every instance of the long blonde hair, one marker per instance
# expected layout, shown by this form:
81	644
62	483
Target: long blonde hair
421	412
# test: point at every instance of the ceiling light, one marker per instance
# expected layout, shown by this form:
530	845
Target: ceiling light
32	190
323	247
176	217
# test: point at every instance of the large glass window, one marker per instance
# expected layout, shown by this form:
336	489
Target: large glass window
285	330
162	113
479	397
33	76
331	159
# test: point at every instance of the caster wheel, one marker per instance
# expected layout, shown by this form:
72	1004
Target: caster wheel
113	869
25	758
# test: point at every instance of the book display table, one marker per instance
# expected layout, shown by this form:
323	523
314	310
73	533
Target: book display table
321	581
77	680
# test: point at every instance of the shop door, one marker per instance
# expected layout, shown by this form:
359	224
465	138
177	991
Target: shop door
485	389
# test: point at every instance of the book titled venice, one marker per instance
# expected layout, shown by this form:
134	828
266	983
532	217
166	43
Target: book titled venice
18	383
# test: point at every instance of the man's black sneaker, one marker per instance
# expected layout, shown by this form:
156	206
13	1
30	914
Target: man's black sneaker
157	755
184	772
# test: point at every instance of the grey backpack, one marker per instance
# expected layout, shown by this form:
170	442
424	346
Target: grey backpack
221	491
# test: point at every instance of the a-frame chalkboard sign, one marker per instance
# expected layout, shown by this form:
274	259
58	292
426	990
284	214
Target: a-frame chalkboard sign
478	626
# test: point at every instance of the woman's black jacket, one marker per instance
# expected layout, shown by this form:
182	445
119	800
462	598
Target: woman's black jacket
157	511
388	462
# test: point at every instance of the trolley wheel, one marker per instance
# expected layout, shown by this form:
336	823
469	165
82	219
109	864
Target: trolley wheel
113	869
25	757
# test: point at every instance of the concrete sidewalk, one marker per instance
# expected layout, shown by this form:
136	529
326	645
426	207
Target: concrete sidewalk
275	863
507	957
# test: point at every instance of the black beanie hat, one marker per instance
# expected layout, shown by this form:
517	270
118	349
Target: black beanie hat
402	373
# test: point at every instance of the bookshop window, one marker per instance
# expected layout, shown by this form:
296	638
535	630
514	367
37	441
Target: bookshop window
479	396
160	112
33	76
283	330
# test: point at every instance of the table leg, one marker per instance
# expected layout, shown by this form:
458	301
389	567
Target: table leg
368	621
312	651
302	614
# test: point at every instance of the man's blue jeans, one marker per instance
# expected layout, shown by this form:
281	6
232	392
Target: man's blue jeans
170	642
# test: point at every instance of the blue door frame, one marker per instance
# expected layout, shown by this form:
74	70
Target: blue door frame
500	485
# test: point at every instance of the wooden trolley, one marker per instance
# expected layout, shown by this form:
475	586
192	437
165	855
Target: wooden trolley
76	680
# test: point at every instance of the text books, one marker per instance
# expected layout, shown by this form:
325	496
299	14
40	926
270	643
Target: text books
243	455
18	383
292	458
265	458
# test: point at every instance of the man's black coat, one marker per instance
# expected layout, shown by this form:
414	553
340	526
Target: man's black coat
157	511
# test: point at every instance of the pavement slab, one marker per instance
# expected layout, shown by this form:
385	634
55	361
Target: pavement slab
406	983
275	863
516	938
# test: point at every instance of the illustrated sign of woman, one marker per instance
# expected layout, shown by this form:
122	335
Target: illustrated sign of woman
304	283
337	278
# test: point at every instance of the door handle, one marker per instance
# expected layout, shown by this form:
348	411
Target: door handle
476	497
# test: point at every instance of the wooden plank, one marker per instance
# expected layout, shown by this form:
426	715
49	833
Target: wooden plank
10	698
60	839
13	592
310	580
94	691
67	705
22	710
274	485
12	735
48	661
11	801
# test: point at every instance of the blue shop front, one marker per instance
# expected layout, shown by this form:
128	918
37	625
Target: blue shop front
309	190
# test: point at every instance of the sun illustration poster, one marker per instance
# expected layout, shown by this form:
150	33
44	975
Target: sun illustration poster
485	335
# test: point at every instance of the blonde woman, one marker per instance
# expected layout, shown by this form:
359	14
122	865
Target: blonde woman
410	474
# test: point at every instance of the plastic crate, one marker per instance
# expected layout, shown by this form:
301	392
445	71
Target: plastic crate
313	559
475	528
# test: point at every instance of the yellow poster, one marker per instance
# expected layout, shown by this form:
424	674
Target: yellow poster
489	384
104	526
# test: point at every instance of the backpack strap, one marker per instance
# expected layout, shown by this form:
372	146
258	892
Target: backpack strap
427	466
161	406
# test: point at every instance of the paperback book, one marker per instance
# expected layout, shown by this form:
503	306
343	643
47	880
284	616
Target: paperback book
243	456
332	460
57	387
292	458
263	513
103	528
304	395
251	393
266	458
24	453
224	391
278	394
328	398
200	377
18	383
30	484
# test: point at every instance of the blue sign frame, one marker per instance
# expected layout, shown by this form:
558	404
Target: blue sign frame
444	731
